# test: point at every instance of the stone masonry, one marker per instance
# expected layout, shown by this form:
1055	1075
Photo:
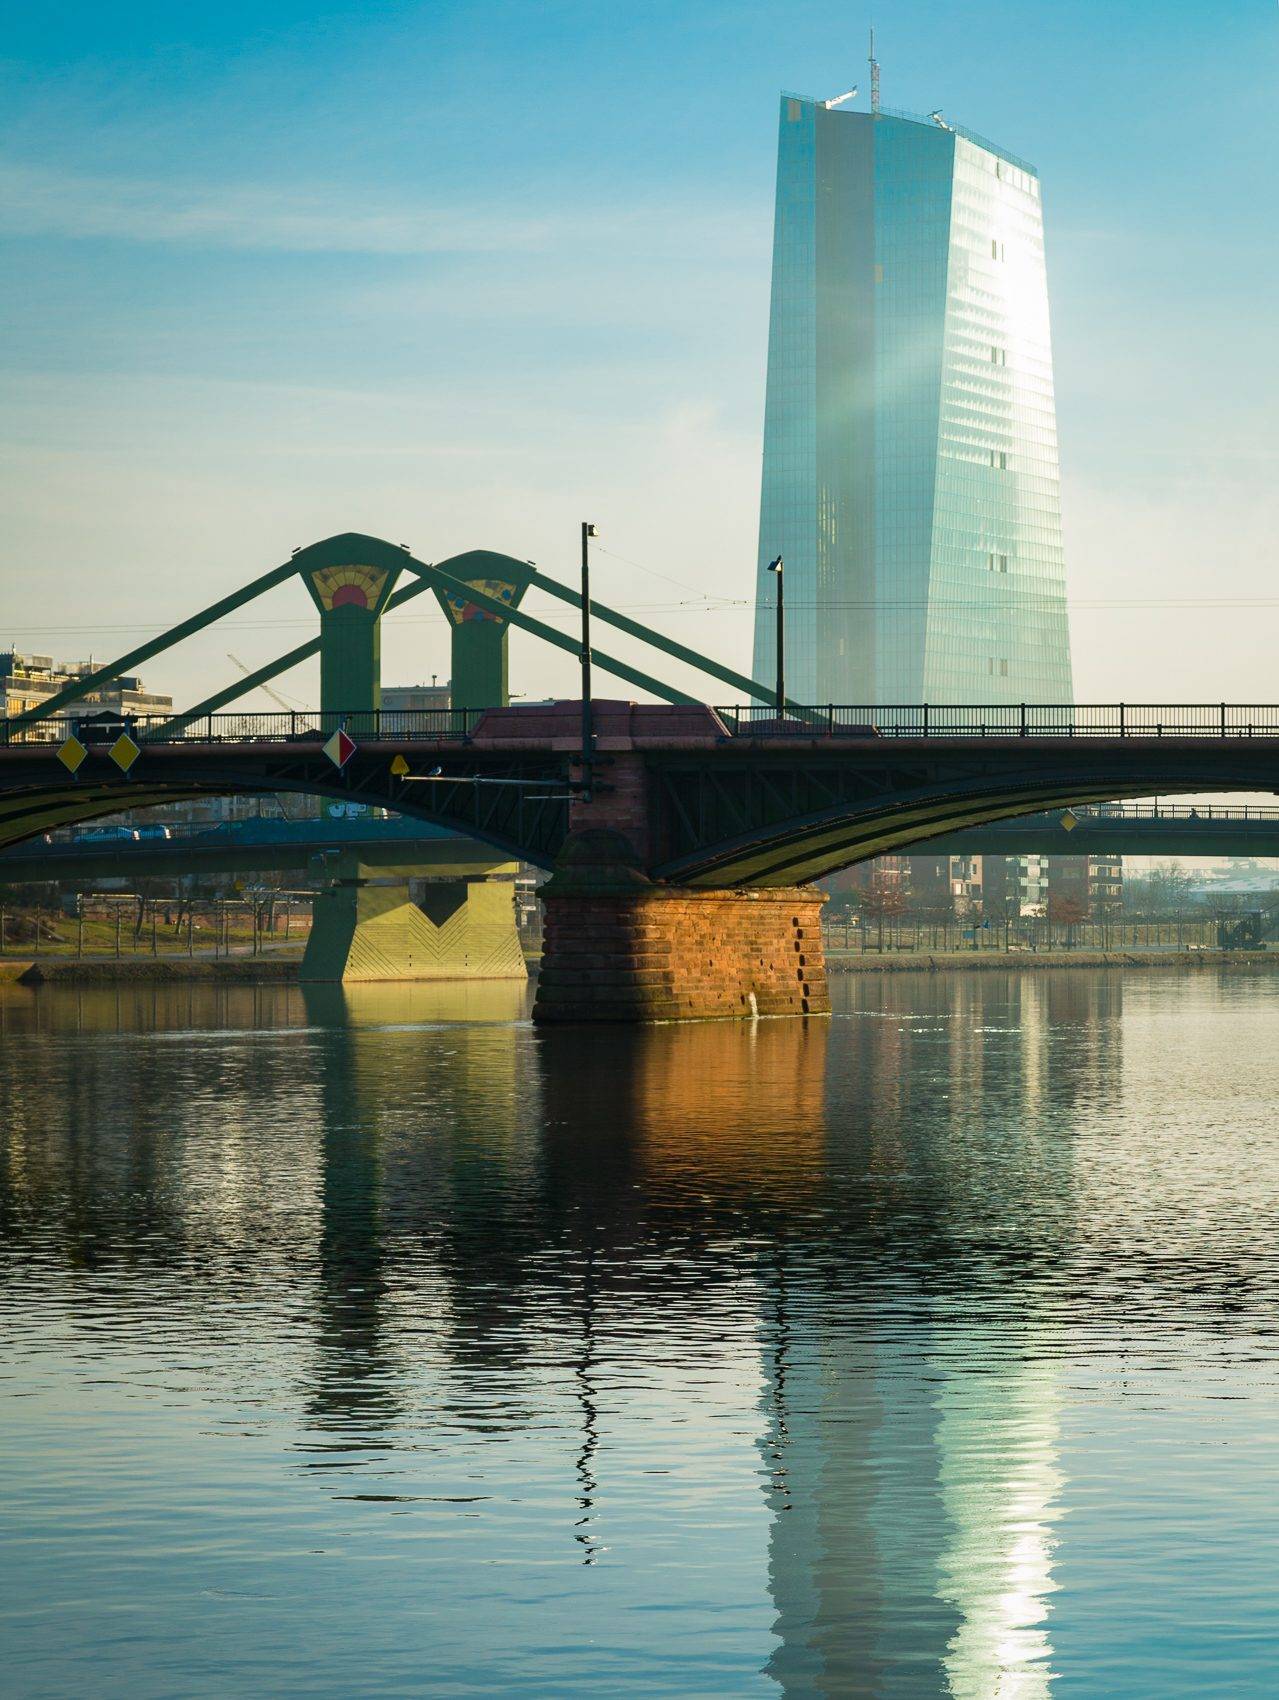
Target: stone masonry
619	948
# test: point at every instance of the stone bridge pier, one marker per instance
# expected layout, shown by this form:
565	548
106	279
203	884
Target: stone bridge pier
621	946
617	947
384	923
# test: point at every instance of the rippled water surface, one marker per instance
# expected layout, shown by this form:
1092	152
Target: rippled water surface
373	1343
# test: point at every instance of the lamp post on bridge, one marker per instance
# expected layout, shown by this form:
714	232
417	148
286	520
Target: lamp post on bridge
778	567
588	731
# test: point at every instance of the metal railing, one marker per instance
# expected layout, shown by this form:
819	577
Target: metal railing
1005	720
754	720
844	936
1176	812
298	726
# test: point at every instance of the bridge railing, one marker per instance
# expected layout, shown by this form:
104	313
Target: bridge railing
1178	813
1006	720
911	720
277	727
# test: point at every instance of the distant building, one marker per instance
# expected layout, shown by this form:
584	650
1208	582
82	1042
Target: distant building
1096	883
993	888
1032	882
411	697
910	472
29	680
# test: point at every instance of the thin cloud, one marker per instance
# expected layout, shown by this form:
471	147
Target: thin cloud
39	202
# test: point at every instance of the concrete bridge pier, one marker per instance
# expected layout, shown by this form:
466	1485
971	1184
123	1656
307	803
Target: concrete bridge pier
618	947
371	924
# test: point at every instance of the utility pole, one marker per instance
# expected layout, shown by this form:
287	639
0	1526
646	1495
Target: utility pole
588	730
778	568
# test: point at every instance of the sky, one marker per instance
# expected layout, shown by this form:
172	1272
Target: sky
463	275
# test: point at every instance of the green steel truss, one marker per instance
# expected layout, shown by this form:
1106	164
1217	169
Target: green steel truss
352	580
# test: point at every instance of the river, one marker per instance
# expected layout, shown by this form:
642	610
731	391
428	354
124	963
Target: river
376	1343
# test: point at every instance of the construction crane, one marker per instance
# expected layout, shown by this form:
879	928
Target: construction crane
276	698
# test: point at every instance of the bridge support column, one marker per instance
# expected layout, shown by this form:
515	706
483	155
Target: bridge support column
350	591
619	948
368	927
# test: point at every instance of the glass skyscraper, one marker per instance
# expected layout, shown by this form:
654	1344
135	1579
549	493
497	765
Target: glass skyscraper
910	476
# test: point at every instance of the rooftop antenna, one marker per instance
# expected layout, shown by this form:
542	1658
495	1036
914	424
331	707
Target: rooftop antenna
874	73
840	99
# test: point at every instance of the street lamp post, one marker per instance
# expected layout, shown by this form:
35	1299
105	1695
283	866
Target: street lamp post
588	731
778	567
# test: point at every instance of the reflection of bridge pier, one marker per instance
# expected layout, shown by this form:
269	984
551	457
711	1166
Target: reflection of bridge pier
351	1389
374	1168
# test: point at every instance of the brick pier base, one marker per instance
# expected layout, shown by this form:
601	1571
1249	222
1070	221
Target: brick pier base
669	953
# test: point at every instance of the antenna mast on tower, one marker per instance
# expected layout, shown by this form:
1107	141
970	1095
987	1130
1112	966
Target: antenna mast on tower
874	73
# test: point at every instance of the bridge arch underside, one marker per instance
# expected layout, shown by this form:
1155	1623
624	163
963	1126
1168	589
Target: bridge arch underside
904	812
528	828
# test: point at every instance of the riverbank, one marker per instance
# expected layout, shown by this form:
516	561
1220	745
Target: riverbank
282	970
75	971
1016	962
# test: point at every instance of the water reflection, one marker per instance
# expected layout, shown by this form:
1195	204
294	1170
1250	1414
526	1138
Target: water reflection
782	1310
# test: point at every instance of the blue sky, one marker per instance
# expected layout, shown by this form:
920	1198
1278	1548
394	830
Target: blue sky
463	275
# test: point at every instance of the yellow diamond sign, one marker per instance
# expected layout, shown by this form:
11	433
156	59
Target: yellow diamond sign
124	752
71	753
399	767
1070	821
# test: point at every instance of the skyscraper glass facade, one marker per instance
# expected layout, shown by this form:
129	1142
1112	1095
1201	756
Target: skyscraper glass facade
910	474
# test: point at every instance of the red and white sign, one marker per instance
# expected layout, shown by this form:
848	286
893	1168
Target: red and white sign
339	749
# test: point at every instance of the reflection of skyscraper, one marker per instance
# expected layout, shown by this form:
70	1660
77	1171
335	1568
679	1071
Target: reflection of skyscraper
910	438
913	1489
912	1395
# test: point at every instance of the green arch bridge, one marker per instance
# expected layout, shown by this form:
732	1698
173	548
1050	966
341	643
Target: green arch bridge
743	806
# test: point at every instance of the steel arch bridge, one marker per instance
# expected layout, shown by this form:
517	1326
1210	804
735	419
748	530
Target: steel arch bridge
703	804
735	797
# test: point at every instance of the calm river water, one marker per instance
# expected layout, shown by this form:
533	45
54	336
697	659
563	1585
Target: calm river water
376	1344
